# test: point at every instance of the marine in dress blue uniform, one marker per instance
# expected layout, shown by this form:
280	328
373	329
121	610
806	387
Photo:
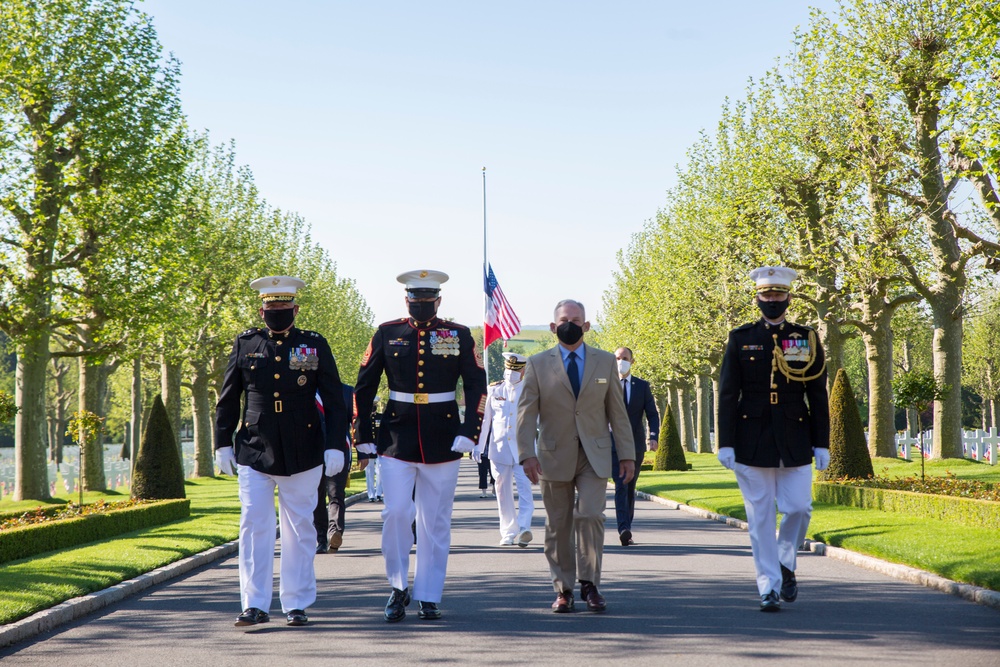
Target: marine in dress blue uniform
279	442
422	435
773	420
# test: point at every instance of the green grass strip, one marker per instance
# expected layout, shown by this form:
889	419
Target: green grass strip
961	553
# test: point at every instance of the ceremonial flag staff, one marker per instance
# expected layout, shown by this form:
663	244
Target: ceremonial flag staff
499	319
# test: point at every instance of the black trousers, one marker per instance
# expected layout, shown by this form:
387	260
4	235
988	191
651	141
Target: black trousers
328	517
485	471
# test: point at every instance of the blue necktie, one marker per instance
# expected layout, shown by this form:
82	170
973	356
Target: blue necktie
574	374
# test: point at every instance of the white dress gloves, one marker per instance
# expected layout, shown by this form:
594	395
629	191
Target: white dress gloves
333	462
822	456
727	457
366	448
463	445
225	460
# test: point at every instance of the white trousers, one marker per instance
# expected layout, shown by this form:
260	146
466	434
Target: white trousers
435	497
373	478
296	502
506	476
791	489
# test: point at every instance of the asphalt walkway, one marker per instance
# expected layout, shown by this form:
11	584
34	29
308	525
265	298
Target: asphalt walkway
684	594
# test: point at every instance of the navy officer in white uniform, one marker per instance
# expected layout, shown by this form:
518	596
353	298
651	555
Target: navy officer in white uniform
774	420
279	441
500	435
421	437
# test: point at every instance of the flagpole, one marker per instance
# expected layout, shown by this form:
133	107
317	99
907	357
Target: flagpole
486	298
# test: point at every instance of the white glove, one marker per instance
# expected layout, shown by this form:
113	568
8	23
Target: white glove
366	448
333	462
225	459
477	454
727	457
822	455
463	445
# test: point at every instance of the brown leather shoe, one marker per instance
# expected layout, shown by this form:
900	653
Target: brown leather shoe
595	601
563	603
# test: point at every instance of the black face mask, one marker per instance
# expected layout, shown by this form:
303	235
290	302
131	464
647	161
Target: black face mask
279	320
569	332
773	310
422	311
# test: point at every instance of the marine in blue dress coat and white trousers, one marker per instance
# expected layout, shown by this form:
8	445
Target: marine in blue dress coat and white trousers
774	420
279	442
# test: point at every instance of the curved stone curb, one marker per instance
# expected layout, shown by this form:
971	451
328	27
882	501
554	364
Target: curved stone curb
74	608
977	594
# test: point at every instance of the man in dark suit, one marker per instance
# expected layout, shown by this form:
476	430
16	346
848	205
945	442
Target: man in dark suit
774	420
328	517
638	403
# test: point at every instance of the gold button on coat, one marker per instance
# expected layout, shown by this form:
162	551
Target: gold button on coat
276	394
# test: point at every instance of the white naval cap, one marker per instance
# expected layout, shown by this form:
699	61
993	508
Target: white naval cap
422	282
773	278
277	288
514	361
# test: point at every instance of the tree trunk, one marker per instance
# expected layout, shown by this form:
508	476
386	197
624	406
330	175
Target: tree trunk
170	386
684	418
947	440
135	424
31	473
703	391
715	411
202	411
91	450
994	404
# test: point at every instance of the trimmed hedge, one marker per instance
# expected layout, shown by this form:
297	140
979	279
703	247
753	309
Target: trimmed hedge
965	511
26	541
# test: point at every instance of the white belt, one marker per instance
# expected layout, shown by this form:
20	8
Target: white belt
421	399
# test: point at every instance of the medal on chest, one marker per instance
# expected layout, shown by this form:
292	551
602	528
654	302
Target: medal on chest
303	358
444	342
795	349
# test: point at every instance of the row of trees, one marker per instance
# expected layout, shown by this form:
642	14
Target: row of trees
127	241
867	159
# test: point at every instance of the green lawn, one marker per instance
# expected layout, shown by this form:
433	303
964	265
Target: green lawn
959	553
33	584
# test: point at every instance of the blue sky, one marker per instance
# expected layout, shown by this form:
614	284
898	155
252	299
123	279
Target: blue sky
374	120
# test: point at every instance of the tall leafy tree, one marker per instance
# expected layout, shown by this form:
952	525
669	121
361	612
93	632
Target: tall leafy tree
85	93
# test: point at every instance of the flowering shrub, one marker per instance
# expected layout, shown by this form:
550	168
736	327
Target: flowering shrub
943	486
44	514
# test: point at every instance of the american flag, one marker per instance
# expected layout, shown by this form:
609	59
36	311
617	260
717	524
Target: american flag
501	320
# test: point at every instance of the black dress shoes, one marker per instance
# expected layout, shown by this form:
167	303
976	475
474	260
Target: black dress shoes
626	537
252	616
789	587
395	608
297	617
770	602
595	601
429	611
321	547
563	603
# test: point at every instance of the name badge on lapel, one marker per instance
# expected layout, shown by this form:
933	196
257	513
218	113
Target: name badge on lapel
602	380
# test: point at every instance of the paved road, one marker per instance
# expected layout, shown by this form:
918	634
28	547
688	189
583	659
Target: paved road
685	594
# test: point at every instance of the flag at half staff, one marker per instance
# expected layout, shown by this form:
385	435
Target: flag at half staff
501	321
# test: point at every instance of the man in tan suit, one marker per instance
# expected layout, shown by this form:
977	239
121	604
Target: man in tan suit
572	395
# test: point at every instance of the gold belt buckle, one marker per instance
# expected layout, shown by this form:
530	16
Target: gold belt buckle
774	398
421	399
277	406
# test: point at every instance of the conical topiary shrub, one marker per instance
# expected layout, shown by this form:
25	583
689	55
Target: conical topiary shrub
158	470
670	454
849	455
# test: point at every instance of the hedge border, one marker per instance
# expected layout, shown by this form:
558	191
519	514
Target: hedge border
965	511
27	541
